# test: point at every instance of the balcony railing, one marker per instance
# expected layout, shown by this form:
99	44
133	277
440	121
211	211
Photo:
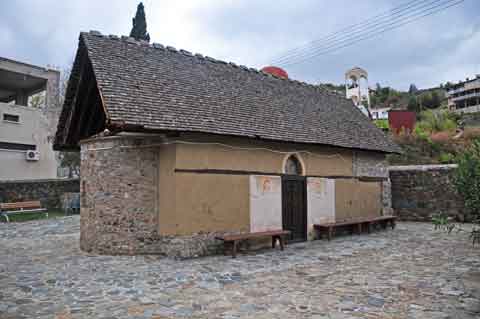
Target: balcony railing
466	96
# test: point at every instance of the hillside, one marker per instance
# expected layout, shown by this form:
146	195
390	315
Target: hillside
439	138
414	99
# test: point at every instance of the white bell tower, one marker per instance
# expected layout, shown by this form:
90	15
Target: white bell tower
356	88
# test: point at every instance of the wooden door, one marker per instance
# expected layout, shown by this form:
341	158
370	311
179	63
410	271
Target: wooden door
294	207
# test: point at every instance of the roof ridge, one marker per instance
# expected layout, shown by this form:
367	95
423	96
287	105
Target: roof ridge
159	46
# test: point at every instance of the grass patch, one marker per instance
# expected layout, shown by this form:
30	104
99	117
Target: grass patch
25	217
382	123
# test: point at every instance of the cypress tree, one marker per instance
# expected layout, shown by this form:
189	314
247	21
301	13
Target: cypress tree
139	29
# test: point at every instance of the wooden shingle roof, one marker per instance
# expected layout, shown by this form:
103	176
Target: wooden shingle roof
157	88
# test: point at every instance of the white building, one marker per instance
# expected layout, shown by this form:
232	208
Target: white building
28	117
464	97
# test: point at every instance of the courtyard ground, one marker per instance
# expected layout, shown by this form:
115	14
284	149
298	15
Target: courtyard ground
411	272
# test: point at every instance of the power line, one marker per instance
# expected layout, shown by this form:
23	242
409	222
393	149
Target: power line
396	22
367	28
362	24
321	50
369	35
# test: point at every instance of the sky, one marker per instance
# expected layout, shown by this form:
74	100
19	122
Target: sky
439	48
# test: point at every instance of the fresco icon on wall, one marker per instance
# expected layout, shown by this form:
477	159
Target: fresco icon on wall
317	186
267	185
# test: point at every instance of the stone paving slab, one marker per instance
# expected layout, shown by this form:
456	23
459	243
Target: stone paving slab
411	272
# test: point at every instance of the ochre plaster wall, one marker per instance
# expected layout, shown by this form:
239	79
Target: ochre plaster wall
210	203
204	183
354	199
253	156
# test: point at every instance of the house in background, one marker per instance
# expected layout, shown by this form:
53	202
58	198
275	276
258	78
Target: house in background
464	97
401	121
380	113
28	117
177	148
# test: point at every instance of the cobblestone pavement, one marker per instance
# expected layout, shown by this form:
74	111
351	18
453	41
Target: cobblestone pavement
411	272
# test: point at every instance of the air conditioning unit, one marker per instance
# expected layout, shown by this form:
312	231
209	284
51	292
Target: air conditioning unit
32	155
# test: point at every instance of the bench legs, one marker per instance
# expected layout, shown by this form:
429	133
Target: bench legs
359	228
6	217
234	249
330	233
280	240
233	245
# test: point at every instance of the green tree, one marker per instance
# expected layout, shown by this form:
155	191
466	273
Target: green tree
412	89
467	179
37	100
436	99
139	28
413	104
70	160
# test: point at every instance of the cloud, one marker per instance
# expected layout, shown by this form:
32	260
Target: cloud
436	49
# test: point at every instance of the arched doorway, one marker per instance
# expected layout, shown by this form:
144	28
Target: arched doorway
294	199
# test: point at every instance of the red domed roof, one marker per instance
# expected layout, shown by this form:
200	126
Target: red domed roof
276	71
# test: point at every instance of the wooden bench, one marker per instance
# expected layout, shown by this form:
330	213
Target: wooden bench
355	224
233	240
384	222
21	207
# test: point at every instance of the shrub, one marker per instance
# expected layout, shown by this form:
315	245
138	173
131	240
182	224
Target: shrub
382	123
467	183
467	178
446	158
436	121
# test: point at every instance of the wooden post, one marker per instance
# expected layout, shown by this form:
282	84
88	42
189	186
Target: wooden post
234	249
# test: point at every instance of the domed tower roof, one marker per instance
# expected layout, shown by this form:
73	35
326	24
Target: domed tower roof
356	73
276	71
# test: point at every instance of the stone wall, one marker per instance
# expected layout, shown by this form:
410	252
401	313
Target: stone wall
118	189
369	164
387	197
418	192
50	192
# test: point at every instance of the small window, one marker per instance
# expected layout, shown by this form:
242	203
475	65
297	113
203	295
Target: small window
293	166
17	146
11	117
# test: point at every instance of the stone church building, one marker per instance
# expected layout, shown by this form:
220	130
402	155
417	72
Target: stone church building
176	148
